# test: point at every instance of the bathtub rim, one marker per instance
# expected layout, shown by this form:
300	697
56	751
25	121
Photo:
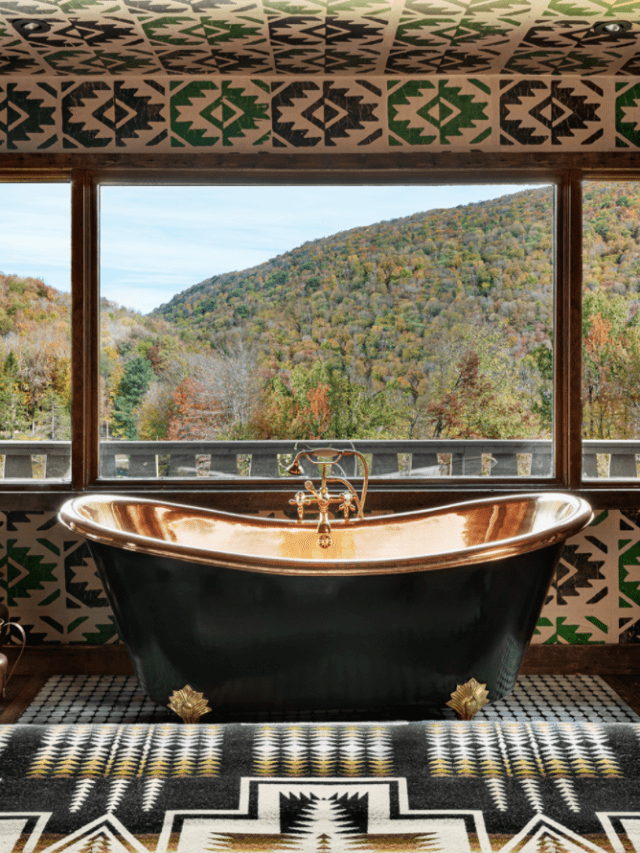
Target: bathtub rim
579	518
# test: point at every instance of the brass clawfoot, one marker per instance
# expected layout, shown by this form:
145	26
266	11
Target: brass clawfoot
188	704
467	699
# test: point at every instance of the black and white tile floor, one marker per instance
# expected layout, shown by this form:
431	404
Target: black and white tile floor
567	698
73	699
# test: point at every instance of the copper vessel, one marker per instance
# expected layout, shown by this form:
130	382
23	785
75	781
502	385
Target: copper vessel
386	621
425	540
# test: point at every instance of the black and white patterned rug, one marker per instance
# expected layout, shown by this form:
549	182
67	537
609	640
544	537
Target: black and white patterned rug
118	699
488	785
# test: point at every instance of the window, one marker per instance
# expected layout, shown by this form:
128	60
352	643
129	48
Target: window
561	359
415	322
35	337
611	330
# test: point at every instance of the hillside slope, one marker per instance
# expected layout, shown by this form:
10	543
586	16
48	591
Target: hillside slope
439	312
383	296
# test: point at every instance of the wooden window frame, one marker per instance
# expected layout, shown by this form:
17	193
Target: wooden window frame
86	172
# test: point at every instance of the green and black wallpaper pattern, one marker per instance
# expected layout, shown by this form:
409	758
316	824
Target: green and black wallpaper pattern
351	114
48	580
318	75
314	37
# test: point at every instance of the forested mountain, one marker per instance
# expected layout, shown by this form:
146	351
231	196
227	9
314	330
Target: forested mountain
433	325
35	361
390	285
390	310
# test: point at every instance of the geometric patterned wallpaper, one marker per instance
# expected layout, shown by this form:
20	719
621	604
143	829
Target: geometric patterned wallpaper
261	38
49	581
318	114
318	75
595	597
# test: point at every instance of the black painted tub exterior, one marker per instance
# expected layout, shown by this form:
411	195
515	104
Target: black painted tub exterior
272	646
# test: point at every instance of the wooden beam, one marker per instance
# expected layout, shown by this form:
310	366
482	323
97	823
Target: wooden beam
589	660
540	659
72	660
485	166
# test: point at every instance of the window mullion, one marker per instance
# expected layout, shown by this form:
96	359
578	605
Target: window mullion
568	349
84	331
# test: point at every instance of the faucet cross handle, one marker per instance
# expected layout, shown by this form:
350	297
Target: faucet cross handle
300	500
324	458
348	504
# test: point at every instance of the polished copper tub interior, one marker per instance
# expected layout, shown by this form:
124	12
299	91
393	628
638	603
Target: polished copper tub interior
478	531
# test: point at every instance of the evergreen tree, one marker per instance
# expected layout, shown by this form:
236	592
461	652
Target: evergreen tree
13	410
136	378
52	418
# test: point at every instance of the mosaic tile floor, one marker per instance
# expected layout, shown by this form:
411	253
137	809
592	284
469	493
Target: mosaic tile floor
72	699
568	698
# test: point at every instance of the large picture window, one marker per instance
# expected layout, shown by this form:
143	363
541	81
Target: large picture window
188	331
415	323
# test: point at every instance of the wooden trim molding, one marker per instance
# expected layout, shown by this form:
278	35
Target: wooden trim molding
539	660
494	164
605	659
72	660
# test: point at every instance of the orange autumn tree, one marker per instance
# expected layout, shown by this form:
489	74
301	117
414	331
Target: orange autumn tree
287	414
315	416
196	415
611	367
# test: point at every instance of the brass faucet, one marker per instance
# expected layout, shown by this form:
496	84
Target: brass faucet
347	501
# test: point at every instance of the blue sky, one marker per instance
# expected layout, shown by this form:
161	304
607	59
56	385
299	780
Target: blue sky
158	241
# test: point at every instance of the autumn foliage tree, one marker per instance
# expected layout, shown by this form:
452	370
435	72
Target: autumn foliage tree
35	360
611	367
478	407
195	414
321	403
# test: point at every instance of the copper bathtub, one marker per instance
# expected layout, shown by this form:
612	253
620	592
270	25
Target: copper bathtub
386	622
